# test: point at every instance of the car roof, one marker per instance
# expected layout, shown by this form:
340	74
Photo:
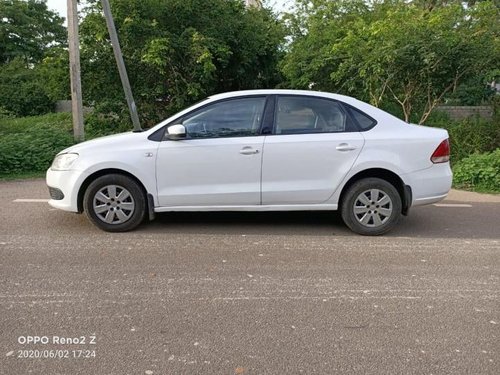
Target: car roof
323	94
374	112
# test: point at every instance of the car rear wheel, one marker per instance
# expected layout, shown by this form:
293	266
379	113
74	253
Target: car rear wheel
371	207
115	203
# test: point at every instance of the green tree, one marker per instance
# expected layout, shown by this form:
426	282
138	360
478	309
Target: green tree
475	91
179	51
393	51
28	29
22	92
53	71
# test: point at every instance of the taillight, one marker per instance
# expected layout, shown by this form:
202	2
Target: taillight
442	153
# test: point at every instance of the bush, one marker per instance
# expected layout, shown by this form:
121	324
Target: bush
5	114
479	172
469	136
22	92
107	118
30	144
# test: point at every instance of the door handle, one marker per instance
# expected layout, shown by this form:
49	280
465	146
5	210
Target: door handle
248	151
345	147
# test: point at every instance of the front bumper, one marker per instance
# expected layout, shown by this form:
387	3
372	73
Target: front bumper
68	183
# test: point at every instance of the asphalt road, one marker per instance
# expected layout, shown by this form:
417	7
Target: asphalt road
246	293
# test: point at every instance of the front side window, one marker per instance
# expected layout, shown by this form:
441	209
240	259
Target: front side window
304	115
229	118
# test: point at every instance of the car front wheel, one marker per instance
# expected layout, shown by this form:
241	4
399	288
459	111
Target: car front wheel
115	203
371	207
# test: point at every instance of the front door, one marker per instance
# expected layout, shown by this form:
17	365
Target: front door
219	164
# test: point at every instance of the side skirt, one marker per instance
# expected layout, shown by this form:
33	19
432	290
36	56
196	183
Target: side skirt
294	207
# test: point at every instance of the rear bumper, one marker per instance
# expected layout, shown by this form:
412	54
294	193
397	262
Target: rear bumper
430	185
429	200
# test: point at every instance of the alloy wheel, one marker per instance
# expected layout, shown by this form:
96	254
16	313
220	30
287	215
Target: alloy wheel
113	204
372	208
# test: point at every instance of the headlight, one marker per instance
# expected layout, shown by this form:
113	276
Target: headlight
63	162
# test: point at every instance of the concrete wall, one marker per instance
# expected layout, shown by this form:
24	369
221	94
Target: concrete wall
462	112
65	106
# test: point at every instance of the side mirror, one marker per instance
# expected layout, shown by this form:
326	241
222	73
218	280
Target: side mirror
176	132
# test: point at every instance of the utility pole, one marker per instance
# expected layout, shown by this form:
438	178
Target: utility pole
74	67
121	65
254	3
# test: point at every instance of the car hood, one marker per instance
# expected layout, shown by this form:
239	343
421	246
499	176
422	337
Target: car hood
109	140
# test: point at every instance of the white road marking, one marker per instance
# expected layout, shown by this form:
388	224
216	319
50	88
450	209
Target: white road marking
30	200
452	205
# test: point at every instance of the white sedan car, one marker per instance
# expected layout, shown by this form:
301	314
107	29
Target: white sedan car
260	150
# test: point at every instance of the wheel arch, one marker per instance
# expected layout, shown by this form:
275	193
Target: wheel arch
103	172
404	190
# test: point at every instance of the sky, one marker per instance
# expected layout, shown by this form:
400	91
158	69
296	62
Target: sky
60	5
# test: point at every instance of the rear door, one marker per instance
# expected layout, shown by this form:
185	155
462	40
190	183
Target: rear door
313	146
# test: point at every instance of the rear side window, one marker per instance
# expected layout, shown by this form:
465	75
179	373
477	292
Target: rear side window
364	121
306	115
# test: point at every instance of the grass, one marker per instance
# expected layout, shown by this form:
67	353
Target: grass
21	176
481	190
61	121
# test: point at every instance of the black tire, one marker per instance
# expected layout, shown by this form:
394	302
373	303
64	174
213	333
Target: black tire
367	215
103	206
